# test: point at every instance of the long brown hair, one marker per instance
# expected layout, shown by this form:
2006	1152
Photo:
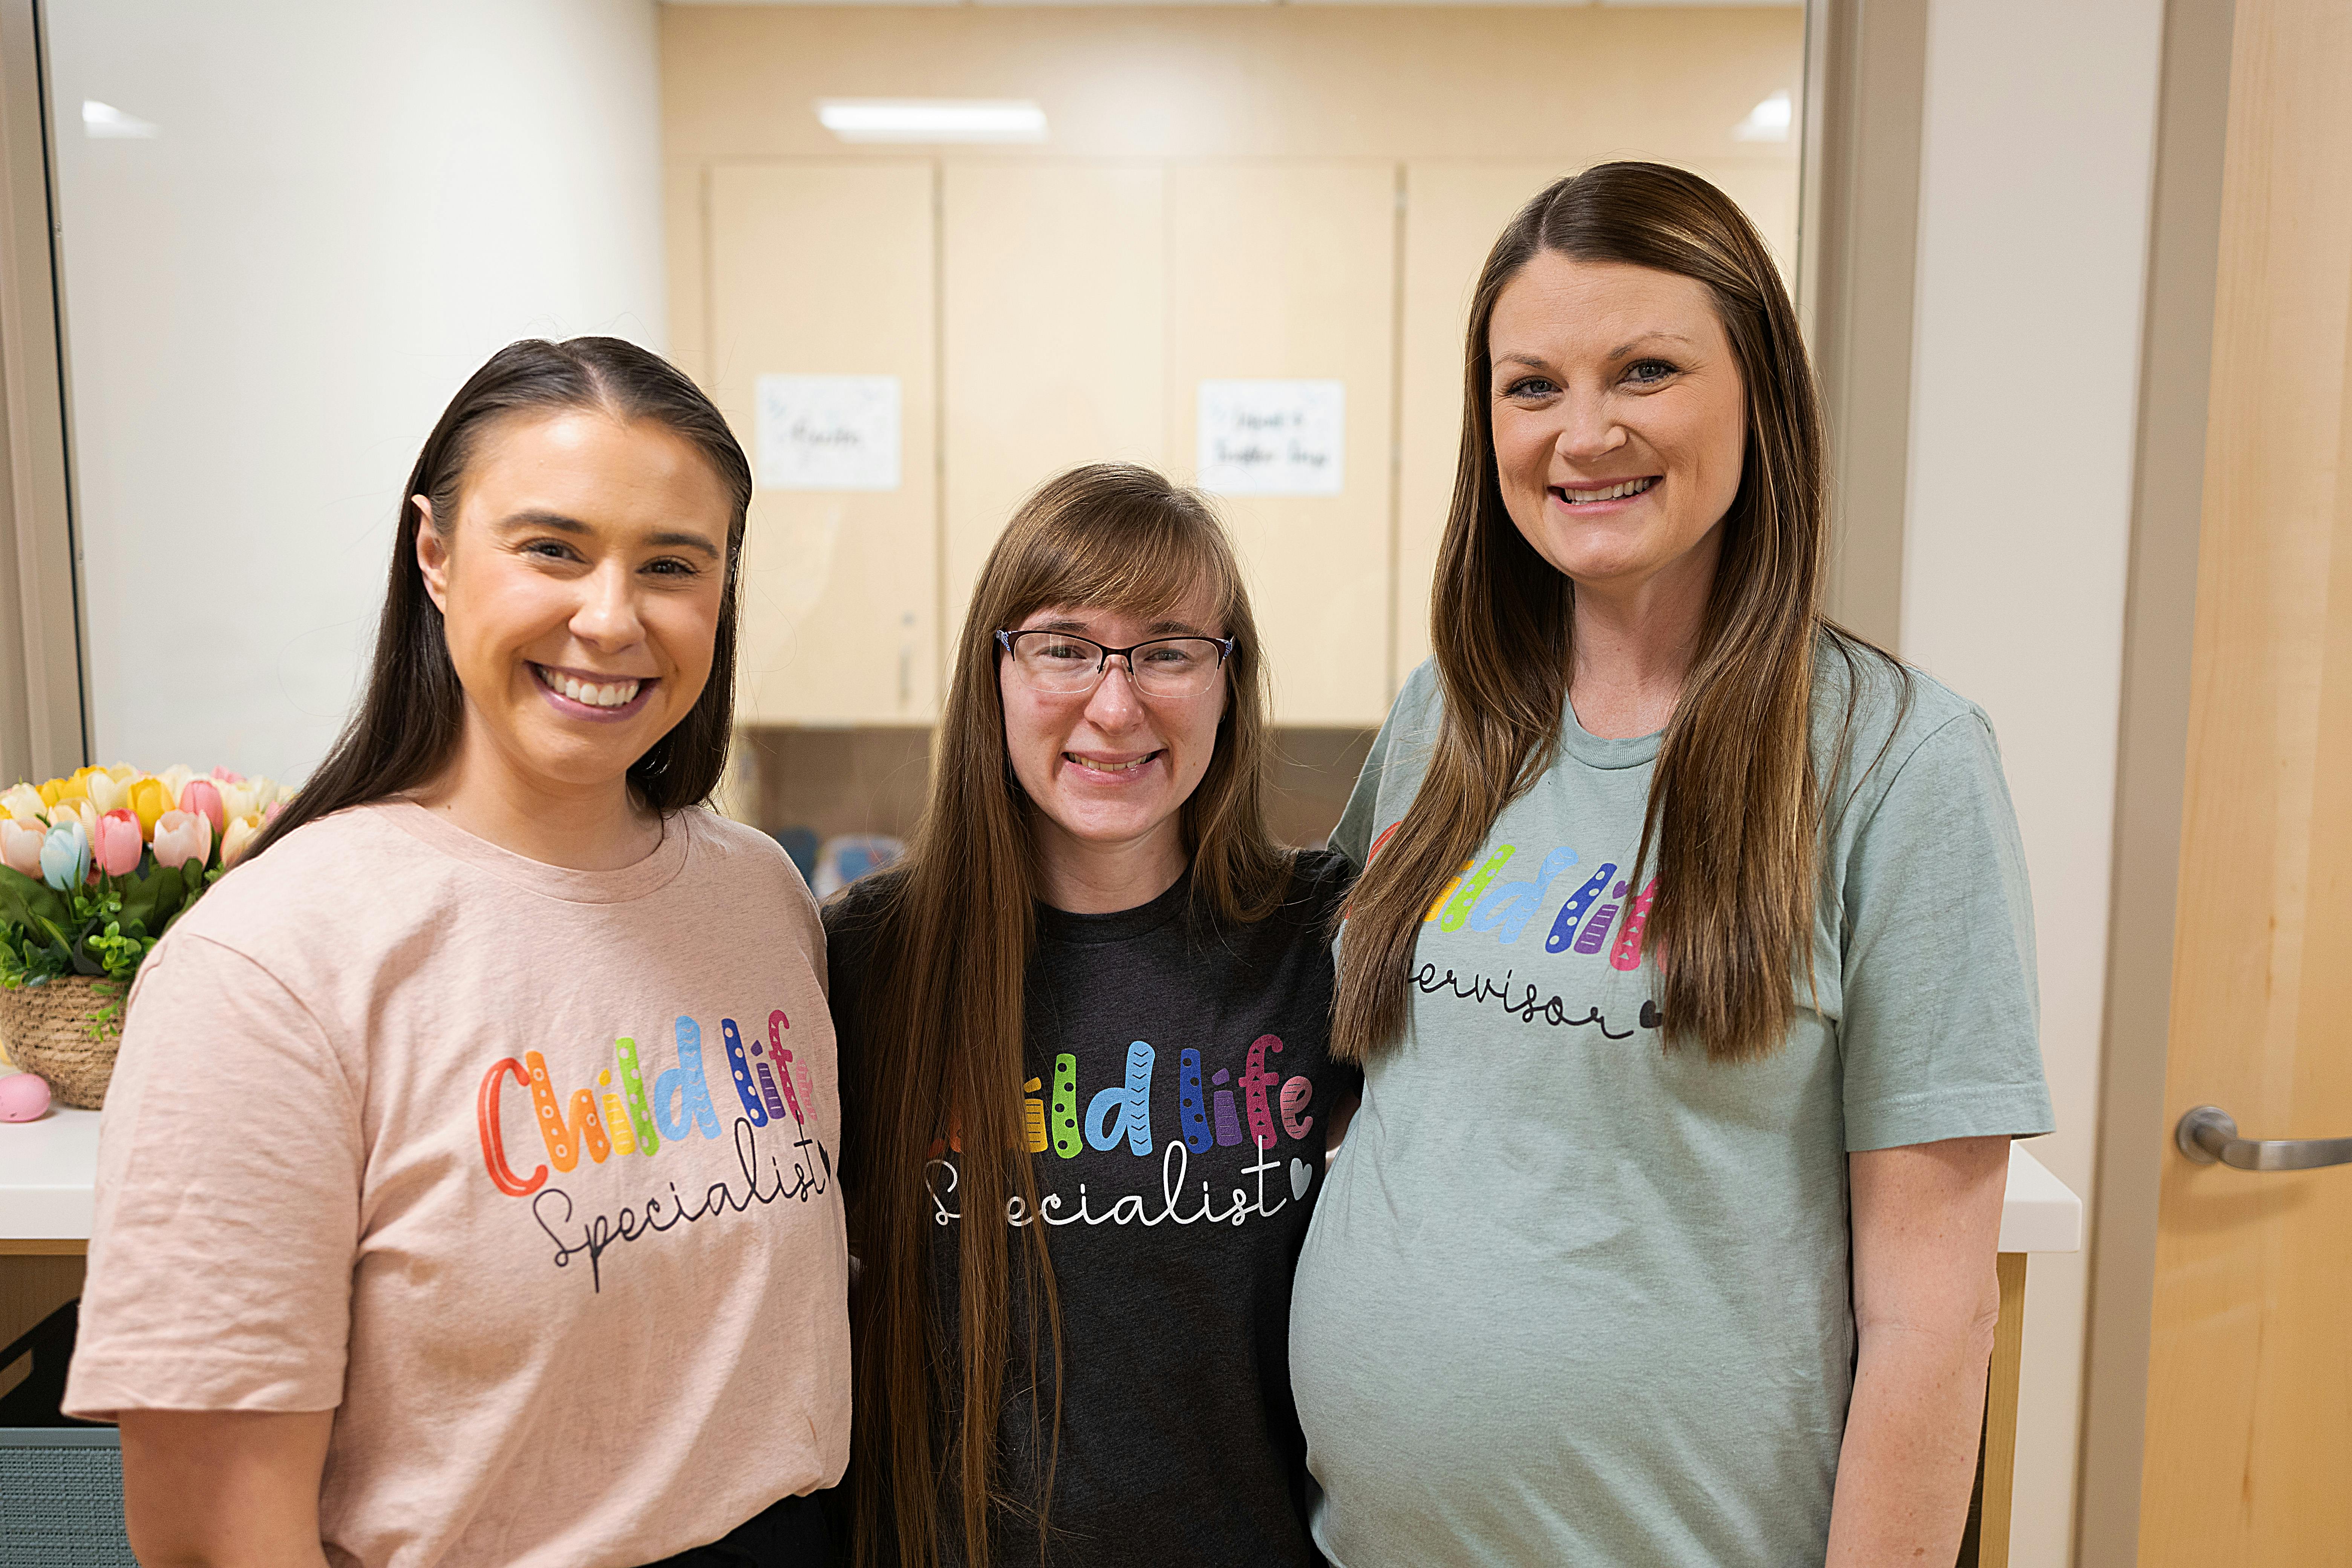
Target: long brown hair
941	1017
406	728
1734	809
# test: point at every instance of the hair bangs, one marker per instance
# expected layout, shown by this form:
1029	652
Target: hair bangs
1130	560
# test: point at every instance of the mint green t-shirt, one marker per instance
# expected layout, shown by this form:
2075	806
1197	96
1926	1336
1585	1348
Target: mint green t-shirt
1571	1298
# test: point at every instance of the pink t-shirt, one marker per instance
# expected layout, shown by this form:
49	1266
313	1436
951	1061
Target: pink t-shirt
526	1173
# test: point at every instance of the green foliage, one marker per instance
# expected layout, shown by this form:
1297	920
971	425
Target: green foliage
103	928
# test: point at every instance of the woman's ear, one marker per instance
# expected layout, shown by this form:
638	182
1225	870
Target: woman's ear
432	553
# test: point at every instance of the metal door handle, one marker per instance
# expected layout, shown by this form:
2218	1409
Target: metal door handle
2206	1134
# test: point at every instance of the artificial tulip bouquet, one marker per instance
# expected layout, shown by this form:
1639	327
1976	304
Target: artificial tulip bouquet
95	867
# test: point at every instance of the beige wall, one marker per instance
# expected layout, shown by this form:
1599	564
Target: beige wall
2033	230
1226	192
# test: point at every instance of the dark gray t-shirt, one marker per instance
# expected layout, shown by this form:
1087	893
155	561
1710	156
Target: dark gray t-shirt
1571	1297
1179	1098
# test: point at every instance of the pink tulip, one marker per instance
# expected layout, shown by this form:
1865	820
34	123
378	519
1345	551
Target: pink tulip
198	795
118	845
269	813
181	837
227	777
20	846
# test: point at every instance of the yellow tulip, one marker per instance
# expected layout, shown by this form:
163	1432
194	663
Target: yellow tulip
68	789
241	832
148	798
51	793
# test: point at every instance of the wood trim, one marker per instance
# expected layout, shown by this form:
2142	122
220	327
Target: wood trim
1985	1543
1866	68
44	1247
44	712
2159	609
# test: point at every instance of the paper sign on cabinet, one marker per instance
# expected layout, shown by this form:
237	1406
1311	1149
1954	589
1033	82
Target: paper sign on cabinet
828	432
1266	438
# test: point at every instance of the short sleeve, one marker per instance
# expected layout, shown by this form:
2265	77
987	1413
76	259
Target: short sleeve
1939	1033
1353	836
230	1163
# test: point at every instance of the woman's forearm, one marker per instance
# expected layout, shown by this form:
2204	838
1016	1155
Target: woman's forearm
1927	1219
1909	1458
223	1489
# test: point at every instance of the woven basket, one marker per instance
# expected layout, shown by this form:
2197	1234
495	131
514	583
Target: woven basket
53	1030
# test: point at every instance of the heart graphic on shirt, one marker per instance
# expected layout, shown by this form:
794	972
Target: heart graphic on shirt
1300	1174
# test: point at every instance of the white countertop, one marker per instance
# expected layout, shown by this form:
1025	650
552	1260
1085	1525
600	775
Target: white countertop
46	1168
2041	1212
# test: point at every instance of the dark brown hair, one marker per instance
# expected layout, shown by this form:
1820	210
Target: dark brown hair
407	726
1734	809
941	1019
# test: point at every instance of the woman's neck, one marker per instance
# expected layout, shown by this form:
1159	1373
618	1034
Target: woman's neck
1632	647
581	827
1082	877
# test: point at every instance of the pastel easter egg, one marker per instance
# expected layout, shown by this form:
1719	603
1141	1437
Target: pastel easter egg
23	1097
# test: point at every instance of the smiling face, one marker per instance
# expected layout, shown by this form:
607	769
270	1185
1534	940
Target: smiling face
581	584
1619	420
1108	770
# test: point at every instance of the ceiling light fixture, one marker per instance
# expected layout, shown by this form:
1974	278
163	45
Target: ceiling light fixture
932	119
1768	121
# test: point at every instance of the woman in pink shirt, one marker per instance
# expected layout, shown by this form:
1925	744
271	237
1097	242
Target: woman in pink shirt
466	1184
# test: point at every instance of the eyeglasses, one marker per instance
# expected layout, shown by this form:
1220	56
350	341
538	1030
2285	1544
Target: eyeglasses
1164	667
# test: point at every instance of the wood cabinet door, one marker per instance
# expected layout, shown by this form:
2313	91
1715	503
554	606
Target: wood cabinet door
1454	209
1286	271
1054	305
827	268
2249	1434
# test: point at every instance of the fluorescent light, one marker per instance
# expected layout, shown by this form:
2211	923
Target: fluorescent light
1768	122
103	119
932	119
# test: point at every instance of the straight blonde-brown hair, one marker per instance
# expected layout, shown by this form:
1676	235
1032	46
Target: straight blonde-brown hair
951	932
1735	811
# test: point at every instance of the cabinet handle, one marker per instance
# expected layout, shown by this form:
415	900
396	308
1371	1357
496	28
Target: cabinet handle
2206	1134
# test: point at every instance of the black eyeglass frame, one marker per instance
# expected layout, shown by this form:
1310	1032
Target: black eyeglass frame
1225	646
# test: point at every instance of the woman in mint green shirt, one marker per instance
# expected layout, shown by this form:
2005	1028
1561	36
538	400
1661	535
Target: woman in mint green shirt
1692	969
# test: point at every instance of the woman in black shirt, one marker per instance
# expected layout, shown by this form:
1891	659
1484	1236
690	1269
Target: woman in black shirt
1092	1001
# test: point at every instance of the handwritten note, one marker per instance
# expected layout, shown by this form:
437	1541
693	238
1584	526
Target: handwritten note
1273	437
828	432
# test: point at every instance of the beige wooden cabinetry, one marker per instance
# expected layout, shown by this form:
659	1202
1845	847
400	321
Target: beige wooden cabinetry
1288	271
1292	193
1083	305
1454	209
1055	283
827	268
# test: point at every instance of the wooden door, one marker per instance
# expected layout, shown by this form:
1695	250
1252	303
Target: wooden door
1286	271
2249	1438
825	267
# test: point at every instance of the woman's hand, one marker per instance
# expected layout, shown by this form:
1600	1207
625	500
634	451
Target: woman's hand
206	1488
1927	1219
